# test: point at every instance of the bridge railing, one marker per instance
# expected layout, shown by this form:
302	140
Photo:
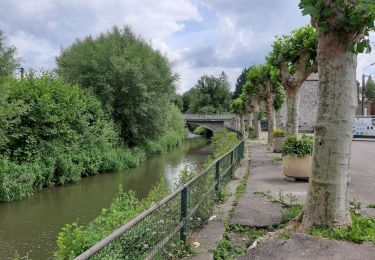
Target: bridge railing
154	232
208	117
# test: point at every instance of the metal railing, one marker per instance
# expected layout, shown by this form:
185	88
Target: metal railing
209	117
153	233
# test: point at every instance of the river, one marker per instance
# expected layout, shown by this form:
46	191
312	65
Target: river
30	226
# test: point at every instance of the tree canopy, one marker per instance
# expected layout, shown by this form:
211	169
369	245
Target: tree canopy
354	17
295	55
240	82
134	83
210	95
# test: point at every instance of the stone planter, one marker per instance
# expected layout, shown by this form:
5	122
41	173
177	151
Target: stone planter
277	142
297	167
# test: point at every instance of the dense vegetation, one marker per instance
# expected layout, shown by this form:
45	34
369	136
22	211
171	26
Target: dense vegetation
75	238
370	90
211	95
133	82
53	132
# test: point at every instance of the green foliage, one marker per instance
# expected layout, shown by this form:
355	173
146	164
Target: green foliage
298	146
8	61
223	141
278	132
74	238
238	105
370	90
260	114
290	49
361	230
277	159
133	82
52	133
224	250
371	206
262	81
199	130
343	17
240	83
210	95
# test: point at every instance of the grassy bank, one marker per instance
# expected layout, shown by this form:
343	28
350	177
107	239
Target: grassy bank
74	238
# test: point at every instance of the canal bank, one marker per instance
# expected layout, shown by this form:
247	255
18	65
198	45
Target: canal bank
31	226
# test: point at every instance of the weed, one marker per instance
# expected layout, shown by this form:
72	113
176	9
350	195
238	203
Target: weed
372	205
361	230
277	159
285	234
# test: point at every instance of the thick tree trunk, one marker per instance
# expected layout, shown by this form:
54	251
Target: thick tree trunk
241	123
327	199
270	122
256	120
292	108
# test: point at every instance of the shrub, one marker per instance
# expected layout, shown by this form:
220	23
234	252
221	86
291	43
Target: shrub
223	141
298	146
278	132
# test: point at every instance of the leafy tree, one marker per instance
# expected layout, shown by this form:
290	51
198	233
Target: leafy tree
342	28
186	98
295	56
263	84
8	61
370	90
51	133
224	78
134	82
210	95
241	80
238	106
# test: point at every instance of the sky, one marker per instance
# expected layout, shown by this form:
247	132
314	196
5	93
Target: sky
198	36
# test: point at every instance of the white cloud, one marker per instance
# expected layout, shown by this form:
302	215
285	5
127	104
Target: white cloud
35	49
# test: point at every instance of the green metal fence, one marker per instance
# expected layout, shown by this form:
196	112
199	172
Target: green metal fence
152	234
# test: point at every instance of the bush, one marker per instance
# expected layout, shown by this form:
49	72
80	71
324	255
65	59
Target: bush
278	132
52	133
223	141
199	130
298	146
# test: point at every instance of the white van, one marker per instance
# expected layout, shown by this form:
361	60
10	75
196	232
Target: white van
364	127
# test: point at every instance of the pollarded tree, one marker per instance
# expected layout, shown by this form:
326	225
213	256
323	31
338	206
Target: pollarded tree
295	56
238	106
342	27
263	84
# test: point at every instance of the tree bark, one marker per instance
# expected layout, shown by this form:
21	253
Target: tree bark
270	122
256	120
241	123
327	199
292	117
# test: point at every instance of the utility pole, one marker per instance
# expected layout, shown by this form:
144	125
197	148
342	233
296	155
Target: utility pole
363	86
22	72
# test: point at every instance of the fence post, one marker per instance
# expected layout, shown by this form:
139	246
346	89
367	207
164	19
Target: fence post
184	211
231	163
217	175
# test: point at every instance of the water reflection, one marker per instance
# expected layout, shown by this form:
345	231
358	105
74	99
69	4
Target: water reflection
30	226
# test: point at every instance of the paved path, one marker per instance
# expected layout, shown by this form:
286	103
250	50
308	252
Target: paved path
212	233
266	176
305	247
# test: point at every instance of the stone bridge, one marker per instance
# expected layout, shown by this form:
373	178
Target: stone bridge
214	122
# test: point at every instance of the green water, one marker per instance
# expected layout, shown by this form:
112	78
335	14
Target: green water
31	226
